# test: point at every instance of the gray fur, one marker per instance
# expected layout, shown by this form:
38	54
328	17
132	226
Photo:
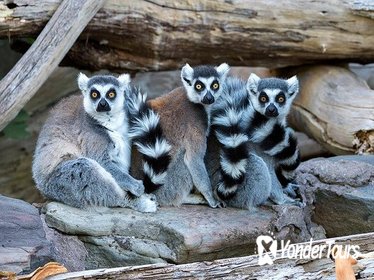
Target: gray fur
257	185
176	187
78	162
205	71
103	80
277	194
273	83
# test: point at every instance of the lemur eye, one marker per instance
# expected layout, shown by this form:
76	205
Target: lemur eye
199	86
111	94
263	97
280	99
94	94
215	85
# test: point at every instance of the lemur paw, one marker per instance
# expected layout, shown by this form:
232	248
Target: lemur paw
146	203
286	200
217	204
292	190
136	188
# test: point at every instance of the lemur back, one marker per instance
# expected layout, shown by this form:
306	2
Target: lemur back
185	120
83	150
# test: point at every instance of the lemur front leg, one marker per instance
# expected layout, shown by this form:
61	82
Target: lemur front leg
277	195
124	180
200	178
83	182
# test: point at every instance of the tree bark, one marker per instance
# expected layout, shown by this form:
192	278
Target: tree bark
238	268
31	71
336	108
164	34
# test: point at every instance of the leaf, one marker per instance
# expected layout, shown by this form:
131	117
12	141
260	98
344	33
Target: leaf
51	268
17	128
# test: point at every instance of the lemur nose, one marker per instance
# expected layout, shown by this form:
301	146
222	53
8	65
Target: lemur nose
271	111
103	103
103	106
208	99
271	108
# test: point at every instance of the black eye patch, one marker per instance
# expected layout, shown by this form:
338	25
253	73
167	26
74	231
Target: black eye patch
215	85
263	97
280	98
111	94
94	94
199	86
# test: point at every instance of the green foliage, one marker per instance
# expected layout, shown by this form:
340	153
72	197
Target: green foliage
17	128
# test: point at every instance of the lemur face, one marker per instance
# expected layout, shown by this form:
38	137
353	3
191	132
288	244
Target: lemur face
103	94
204	83
272	97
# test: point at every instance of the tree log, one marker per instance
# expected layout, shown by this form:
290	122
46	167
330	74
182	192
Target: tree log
239	268
164	34
31	71
336	108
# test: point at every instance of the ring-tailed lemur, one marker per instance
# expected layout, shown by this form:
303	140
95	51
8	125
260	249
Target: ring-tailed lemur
259	125
272	99
82	155
244	177
185	119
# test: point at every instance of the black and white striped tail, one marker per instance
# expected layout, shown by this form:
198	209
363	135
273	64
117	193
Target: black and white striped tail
280	143
146	133
227	121
288	160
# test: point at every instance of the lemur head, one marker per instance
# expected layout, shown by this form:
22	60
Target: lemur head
204	83
272	97
103	94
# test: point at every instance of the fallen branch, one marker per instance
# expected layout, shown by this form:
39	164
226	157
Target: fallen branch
336	108
164	34
31	71
237	268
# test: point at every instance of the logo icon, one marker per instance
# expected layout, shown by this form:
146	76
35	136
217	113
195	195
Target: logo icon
267	249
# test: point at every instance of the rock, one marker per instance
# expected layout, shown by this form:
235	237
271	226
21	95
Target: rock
119	237
340	191
65	249
23	245
309	148
26	243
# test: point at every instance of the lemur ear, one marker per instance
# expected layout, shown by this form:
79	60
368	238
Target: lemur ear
293	85
252	83
223	69
82	82
187	74
124	79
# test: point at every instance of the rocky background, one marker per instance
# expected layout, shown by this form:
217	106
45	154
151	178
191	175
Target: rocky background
338	192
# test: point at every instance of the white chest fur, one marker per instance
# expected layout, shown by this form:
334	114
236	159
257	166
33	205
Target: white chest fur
118	132
208	110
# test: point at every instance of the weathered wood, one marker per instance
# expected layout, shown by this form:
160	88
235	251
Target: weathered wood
31	71
164	34
239	268
363	7
336	108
